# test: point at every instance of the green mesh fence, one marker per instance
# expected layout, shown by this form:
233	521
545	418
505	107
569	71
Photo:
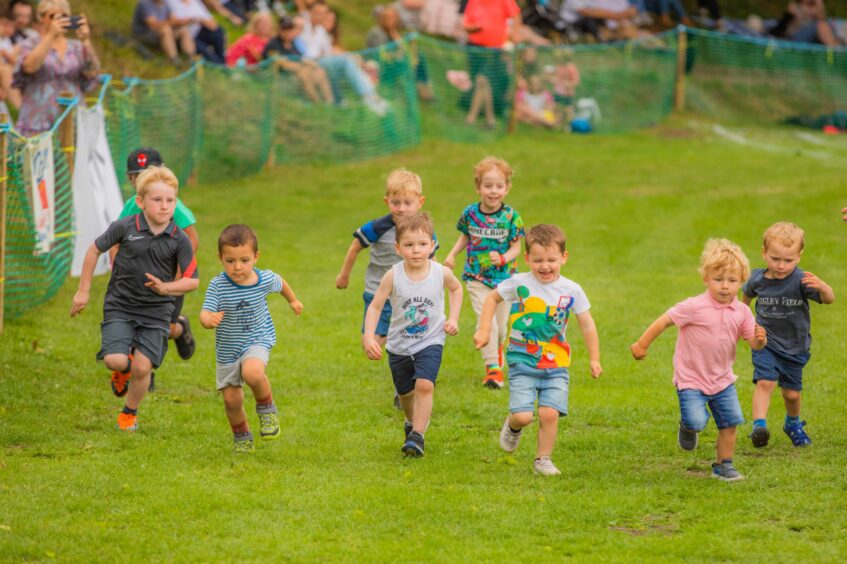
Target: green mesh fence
32	276
749	80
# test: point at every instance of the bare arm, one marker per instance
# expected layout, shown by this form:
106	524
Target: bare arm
759	339
508	256
177	287
210	319
369	342
461	244
489	306
343	278
33	61
592	341
824	289
600	14
89	263
191	233
454	297
639	347
295	304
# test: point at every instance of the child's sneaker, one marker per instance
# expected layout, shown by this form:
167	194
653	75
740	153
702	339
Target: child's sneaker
798	436
686	438
120	381
726	471
414	445
509	440
185	343
760	436
545	467
269	423
243	445
493	379
127	421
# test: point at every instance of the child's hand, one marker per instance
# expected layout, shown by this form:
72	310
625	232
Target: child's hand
450	262
811	281
156	285
638	352
214	318
79	302
341	281
596	369
761	335
480	338
844	214
451	327
296	306
496	258
372	348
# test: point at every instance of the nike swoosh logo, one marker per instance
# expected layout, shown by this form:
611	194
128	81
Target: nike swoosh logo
132	238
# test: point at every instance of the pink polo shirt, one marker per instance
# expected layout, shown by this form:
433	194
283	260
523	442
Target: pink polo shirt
708	334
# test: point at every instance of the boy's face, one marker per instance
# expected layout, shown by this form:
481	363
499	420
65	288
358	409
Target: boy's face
415	247
403	203
22	15
492	189
158	204
781	259
239	262
545	262
723	285
7	28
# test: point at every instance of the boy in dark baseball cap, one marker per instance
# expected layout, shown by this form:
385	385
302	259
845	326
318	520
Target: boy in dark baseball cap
180	328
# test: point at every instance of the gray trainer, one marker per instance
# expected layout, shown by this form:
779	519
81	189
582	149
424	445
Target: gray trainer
509	440
726	471
687	439
545	467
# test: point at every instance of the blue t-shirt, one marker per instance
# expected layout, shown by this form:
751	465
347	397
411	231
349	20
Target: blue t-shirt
782	308
247	320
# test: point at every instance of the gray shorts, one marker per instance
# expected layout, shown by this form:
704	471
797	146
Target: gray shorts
122	336
230	374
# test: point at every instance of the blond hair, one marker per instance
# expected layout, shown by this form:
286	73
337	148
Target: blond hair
722	255
489	163
254	20
48	5
547	236
419	221
402	181
785	233
155	174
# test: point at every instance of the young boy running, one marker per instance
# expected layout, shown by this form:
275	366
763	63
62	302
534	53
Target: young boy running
236	307
415	287
538	355
140	297
491	233
782	292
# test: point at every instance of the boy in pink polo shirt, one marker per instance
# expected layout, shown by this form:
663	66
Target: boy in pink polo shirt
710	325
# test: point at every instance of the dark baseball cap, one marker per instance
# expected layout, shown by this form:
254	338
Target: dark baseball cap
141	158
286	22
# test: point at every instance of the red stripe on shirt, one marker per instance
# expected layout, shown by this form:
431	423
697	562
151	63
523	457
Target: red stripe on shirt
191	269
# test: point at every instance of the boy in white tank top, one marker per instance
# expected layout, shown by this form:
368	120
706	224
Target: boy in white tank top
416	335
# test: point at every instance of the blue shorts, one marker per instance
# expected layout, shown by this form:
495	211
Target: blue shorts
405	369
384	318
724	407
787	369
547	385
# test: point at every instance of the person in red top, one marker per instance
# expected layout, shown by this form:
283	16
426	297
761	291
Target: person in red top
487	24
249	46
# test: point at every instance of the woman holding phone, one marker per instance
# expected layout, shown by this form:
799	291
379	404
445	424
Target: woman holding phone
51	63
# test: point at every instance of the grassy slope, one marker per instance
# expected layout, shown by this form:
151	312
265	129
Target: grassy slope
637	209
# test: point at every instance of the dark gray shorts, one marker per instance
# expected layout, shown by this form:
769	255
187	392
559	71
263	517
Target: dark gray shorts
121	336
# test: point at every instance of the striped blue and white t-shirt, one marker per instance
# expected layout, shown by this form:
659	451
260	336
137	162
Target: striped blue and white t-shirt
247	320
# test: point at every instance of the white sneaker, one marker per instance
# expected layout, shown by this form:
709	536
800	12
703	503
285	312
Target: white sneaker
376	104
509	440
545	467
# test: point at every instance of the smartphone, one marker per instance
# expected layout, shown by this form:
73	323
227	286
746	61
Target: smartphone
75	22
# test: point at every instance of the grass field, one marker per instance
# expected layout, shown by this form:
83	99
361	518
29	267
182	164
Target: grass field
637	209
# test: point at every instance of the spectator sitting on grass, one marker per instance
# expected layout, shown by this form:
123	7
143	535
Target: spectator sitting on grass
805	21
308	72
535	104
249	47
20	12
228	10
663	9
602	19
153	26
209	37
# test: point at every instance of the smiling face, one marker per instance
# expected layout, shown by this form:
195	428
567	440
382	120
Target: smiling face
158	204
415	247
723	285
403	203
492	189
781	259
545	262
238	262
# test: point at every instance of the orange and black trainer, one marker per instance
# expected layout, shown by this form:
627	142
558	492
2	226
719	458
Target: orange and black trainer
127	421
120	381
493	379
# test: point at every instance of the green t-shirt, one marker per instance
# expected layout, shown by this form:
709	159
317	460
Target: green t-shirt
182	215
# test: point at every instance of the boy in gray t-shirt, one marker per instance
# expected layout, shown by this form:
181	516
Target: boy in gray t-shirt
782	293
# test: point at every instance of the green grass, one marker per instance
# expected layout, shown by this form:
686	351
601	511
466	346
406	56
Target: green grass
637	209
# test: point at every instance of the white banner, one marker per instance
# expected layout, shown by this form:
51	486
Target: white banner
39	172
97	195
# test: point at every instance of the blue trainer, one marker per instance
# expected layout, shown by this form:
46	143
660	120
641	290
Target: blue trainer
798	436
414	445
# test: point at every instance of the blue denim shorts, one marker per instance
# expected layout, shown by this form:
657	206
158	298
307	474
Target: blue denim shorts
786	369
724	407
547	385
384	317
405	369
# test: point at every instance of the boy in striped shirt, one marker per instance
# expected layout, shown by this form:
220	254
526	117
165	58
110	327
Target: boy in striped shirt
236	307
